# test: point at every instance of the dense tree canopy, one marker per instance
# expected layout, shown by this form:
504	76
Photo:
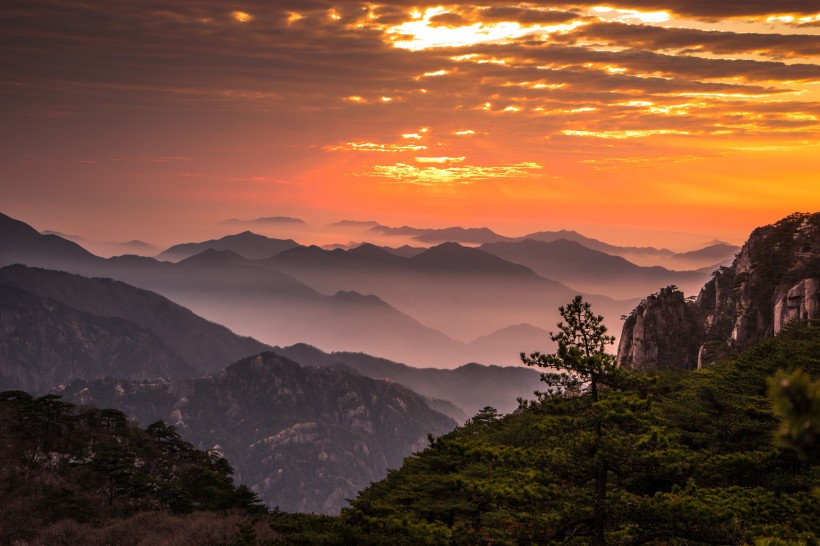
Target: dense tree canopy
691	459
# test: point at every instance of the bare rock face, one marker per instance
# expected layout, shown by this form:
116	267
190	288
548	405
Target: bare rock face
774	280
800	303
664	326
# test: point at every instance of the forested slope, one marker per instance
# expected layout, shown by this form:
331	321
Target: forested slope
690	458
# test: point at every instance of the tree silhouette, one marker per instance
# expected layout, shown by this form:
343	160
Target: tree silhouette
581	366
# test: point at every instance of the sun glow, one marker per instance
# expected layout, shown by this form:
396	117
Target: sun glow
423	33
621	135
242	16
631	15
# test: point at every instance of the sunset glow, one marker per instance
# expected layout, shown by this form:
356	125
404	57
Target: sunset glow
510	115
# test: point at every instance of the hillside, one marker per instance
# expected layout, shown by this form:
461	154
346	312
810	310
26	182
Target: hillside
202	346
305	439
592	271
88	476
247	244
44	343
470	387
687	459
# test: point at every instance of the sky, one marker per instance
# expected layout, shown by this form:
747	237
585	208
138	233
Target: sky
635	121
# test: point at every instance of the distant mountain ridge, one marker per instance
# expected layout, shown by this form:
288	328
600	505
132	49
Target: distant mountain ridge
246	244
715	252
590	270
203	346
247	297
470	387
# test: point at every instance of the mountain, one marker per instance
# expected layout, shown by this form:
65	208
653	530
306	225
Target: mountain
470	387
265	220
254	300
505	346
594	244
645	256
20	243
592	271
464	292
713	253
46	343
247	244
203	346
774	280
354	224
304	438
405	251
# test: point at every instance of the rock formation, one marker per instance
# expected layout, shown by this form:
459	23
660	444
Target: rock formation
774	280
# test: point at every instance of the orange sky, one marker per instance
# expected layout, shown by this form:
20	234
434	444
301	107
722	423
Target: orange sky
636	121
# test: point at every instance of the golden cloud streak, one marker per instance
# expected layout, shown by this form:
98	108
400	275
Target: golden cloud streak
440	160
373	147
620	135
450	176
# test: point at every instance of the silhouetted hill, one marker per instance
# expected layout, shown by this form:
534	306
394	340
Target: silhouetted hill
464	292
452	258
469	387
247	244
594	244
46	343
505	346
716	253
202	345
405	251
645	256
304	438
20	243
590	270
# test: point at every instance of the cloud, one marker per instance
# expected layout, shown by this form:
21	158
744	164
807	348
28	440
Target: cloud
703	9
437	176
693	40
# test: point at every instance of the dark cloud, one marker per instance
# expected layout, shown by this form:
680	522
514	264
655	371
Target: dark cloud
648	62
652	37
448	20
701	9
524	15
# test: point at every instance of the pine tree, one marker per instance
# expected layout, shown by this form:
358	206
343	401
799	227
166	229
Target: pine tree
581	366
581	360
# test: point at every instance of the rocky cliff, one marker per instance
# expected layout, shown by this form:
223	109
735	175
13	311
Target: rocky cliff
774	280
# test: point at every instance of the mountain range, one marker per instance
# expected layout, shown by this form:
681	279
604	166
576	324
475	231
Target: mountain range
715	253
440	306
